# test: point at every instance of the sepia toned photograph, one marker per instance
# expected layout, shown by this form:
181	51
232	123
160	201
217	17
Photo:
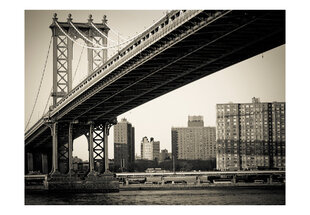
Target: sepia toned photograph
155	107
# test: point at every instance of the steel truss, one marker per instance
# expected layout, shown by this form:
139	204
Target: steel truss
97	137
98	149
63	52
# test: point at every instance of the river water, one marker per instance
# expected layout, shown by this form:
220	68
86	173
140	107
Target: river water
211	196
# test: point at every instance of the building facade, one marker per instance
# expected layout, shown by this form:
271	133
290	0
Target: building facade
124	144
164	155
250	135
194	142
149	149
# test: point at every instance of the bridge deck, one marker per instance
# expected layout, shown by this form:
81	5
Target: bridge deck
176	55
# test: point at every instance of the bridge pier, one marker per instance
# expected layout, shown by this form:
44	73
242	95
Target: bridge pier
70	145
54	130
198	180
91	151
61	179
269	180
98	147
62	151
106	156
44	161
29	162
234	179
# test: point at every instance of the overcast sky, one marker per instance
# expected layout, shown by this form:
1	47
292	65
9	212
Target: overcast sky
262	76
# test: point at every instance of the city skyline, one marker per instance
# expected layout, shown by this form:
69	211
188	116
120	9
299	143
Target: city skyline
262	76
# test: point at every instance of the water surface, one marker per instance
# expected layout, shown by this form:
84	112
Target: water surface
211	196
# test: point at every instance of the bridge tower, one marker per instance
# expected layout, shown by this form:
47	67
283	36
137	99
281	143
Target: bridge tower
94	36
62	33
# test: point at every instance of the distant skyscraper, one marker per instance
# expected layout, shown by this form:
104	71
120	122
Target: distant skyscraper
251	135
164	155
194	142
124	144
149	150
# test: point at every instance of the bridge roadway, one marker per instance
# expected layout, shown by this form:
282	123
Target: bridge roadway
178	49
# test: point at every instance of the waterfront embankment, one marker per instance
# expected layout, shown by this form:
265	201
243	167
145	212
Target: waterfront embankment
197	186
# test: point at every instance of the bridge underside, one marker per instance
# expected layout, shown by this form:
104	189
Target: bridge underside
181	57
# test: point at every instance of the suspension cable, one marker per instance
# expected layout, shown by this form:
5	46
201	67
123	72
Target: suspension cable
124	42
115	32
85	46
101	47
78	64
134	37
102	33
85	38
43	72
49	97
119	44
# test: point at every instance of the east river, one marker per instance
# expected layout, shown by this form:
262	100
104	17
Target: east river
210	196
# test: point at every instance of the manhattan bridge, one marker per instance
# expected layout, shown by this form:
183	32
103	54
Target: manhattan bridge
181	47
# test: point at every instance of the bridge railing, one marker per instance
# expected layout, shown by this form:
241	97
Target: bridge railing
150	36
141	43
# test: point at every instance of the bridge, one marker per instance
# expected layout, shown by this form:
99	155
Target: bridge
181	47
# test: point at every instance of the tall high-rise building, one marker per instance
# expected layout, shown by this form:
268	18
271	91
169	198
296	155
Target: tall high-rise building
194	142
251	135
149	149
124	144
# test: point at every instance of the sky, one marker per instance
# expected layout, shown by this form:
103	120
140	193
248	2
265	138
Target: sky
262	76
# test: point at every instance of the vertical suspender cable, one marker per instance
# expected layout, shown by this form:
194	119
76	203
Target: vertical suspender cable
49	97
85	38
94	26
43	72
78	64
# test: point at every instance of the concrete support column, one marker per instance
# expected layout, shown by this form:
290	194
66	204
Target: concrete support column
234	180
270	179
54	67
44	163
55	148
91	149
70	145
198	180
106	156
29	158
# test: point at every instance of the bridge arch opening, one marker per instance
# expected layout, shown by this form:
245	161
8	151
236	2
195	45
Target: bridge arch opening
80	154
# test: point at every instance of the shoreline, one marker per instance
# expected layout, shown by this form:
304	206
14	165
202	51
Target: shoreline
196	186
